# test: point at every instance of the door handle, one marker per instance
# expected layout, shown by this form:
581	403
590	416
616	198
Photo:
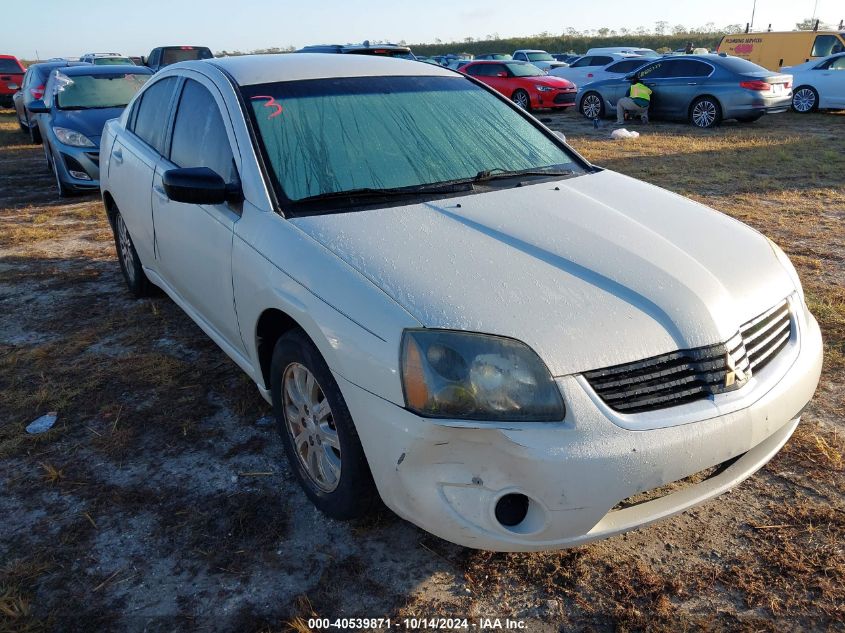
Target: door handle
118	156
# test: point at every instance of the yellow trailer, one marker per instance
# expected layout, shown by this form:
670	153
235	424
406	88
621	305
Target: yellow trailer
772	50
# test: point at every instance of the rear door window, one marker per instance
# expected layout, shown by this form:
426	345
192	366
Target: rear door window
689	68
601	60
584	61
150	123
199	134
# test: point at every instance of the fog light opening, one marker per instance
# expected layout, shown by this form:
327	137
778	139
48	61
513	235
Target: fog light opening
512	509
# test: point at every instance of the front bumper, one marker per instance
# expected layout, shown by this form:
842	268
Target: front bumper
75	160
447	477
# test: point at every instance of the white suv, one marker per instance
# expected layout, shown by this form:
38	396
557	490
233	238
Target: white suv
102	59
541	59
502	341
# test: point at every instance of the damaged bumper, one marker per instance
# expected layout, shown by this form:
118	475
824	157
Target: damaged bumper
449	477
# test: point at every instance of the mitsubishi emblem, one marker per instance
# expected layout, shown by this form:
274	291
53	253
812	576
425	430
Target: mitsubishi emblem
733	373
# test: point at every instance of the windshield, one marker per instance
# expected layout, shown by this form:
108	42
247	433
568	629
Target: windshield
333	135
82	92
112	61
184	54
525	70
540	57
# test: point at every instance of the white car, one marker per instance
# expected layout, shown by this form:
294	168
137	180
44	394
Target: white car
624	50
592	68
541	59
818	84
505	343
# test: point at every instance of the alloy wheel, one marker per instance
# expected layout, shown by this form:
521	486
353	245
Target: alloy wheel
309	421
704	113
804	100
591	106
520	98
125	247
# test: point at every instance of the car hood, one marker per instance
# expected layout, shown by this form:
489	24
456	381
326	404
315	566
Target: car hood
590	271
88	122
555	82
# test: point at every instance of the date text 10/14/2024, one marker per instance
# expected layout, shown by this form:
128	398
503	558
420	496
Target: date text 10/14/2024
416	624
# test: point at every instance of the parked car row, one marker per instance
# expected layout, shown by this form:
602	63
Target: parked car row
64	104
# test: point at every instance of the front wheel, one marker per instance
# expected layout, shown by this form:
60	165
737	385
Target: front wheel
592	106
521	98
805	99
317	431
63	190
35	135
705	112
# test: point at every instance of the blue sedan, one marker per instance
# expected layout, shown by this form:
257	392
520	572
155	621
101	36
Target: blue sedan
78	100
701	89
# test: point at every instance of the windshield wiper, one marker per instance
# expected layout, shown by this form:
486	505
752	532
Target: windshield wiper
372	192
498	172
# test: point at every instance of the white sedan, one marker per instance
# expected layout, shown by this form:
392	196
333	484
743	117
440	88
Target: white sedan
592	68
448	308
819	84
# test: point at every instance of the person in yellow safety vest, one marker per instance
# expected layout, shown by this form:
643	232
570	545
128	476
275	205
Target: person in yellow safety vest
637	102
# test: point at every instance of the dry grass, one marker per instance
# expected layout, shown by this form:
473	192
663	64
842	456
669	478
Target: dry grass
143	480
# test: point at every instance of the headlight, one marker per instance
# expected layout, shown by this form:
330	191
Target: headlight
790	269
543	88
448	374
71	137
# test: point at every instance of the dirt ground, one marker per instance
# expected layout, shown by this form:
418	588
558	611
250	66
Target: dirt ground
161	499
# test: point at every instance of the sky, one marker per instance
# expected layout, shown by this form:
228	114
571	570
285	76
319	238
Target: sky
134	27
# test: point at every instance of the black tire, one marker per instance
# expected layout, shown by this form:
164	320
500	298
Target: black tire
63	190
354	494
805	99
522	99
130	263
35	135
48	157
592	105
705	112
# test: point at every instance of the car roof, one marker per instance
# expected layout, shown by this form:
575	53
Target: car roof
529	50
247	70
79	70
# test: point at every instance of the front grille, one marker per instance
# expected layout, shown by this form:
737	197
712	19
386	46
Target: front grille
565	97
684	376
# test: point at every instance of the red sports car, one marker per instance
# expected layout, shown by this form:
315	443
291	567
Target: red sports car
524	83
11	78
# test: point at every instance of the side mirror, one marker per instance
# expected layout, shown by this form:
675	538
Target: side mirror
37	106
198	185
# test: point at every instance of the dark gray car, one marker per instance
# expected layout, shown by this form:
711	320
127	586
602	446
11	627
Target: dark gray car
32	88
701	89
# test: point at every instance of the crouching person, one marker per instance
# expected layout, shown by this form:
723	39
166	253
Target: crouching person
637	102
